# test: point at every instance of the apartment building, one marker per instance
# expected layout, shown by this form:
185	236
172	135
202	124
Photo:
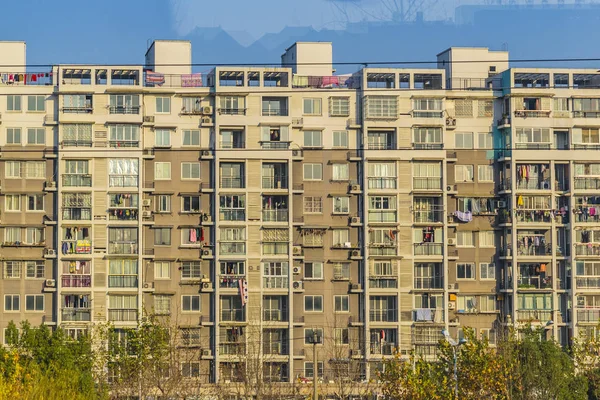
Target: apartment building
255	206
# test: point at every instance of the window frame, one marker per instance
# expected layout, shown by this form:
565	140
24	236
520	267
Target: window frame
315	103
36	302
312	270
38	100
343	301
191	166
160	266
163	174
469	273
192	298
313	307
161	100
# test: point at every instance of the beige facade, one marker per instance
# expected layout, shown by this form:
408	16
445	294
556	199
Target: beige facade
378	207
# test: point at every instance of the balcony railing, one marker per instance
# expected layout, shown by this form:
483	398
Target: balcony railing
232	349
122	314
587	282
123	248
280	182
542	250
77	180
582	215
124	109
77	213
390	315
77	143
275	112
230	281
72	314
275	215
586	114
428	146
532	113
76	281
534	185
123	214
76	247
78	110
428	315
586	146
124	181
122	281
233	315
383	283
429	283
534	315
592	315
582	183
383	216
534	282
276	282
429	249
537	216
232	111
155	79
29	79
275	145
382	146
232	183
275	315
427	183
385	349
119	144
232	215
587	249
533	146
388	249
236	248
275	349
383	182
428	216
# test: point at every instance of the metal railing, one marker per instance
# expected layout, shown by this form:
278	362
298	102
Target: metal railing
429	249
124	109
587	282
279	182
275	112
534	315
534	282
76	281
72	314
232	215
592	315
232	183
382	183
586	249
428	216
122	281
420	183
233	315
275	215
582	183
276	282
123	248
383	283
77	180
275	315
532	113
390	315
429	283
232	111
122	314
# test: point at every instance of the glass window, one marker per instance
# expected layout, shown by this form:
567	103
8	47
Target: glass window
463	140
13	103
341	303
162	270
313	205
485	173
341	205
34	302
36	103
309	333
313	172
190	170
12	302
35	269
486	140
340	139
190	303
487	271
190	270
162	304
463	173
163	202
341	172
313	303
312	106
162	138
313	270
12	202
163	105
339	106
162	236
486	239
313	139
35	202
162	170
190	204
465	271
13	135
464	239
191	137
36	136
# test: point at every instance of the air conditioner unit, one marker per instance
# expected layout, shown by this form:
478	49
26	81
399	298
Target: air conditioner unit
206	353
355	253
206	120
207	110
50	252
146	214
355	220
206	218
355	286
207	252
50	283
149	118
298	285
451	305
451	188
296	153
148	285
51	184
206	285
206	153
297	270
451	242
297	250
146	202
501	204
450	122
355	188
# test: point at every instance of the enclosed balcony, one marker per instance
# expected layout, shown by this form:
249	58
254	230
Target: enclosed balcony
533	176
535	276
76	308
587	209
76	274
77	180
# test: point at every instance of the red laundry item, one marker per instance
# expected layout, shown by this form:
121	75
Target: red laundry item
330	81
202	234
33	78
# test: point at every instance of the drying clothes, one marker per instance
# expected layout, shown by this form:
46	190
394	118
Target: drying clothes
423	314
193	236
520	202
464	216
300	81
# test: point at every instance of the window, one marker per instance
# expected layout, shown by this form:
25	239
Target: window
489	335
35	202
163	202
485	108
463	173
381	107
309	370
340	172
12	235
35	103
313	303
485	140
341	303
463	140
466	303
339	106
124	135
313	139
12	169
163	105
427	138
34	236
12	202
190	336
340	139
535	138
232	175
274	106
35	170
487	271
12	269
36	136
486	239
340	237
12	302
341	271
313	237
313	172
487	303
427	108
162	304
162	270
13	103
191	137
313	270
485	173
190	170
463	107
312	107
561	106
381	175
77	135
382	209
34	302
162	171
124	104
77	103
232	105
162	236
308	334
465	271
190	303
232	139
341	336
162	138
464	239
232	207
585	136
232	241
381	140
190	270
313	205
13	136
191	204
190	369
341	205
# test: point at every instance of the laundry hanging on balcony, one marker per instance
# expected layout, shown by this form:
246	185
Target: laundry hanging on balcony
243	285
464	216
